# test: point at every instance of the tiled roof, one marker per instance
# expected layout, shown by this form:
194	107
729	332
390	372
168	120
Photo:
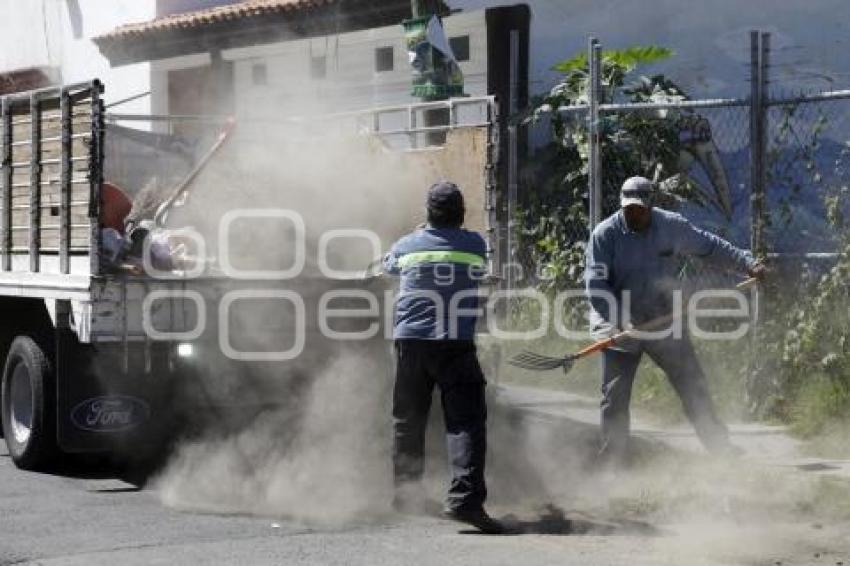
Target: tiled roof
245	23
25	79
218	14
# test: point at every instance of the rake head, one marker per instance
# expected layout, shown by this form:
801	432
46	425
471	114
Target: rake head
537	362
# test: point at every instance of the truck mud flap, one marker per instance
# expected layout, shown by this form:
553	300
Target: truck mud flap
123	412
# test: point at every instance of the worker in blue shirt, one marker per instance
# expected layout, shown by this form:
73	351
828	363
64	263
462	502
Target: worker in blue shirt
637	252
440	267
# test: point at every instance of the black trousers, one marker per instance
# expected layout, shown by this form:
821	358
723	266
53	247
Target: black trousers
676	357
452	365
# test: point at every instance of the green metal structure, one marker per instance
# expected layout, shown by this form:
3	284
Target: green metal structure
435	76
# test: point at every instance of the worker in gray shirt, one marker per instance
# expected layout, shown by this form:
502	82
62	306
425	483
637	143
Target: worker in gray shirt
632	263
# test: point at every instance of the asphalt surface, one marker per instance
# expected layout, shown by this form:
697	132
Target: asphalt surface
89	513
87	517
770	445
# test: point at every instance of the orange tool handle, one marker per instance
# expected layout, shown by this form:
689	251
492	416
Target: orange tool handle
597	346
608	342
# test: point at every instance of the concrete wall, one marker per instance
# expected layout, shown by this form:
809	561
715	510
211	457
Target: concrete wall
810	37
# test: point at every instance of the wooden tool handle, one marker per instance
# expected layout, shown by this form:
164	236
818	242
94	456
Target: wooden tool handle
597	346
610	341
652	325
183	185
747	283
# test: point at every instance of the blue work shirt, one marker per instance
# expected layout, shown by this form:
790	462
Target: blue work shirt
647	264
435	265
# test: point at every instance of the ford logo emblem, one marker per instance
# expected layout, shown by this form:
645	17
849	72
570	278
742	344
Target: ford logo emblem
113	413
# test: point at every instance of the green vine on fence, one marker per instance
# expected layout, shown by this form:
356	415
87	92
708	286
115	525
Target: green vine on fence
807	330
552	215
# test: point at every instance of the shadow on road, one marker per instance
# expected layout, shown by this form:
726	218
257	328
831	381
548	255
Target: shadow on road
555	521
88	467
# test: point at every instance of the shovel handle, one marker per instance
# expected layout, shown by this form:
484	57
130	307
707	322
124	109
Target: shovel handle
608	342
597	346
747	283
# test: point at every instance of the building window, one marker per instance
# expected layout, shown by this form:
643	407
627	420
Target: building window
460	47
318	66
384	59
259	74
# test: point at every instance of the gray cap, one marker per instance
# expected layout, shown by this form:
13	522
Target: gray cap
636	190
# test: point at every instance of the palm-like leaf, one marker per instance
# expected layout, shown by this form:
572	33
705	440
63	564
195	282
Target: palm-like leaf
628	58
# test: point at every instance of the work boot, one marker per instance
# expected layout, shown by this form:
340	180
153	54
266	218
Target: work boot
477	518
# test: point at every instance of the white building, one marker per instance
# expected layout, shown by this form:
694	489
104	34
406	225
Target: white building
363	58
228	59
54	38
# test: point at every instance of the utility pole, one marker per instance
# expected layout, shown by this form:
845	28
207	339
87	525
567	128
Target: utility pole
423	8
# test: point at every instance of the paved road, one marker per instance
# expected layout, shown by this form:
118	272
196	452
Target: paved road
87	515
770	445
48	519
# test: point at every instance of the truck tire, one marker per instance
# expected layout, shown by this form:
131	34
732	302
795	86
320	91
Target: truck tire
28	407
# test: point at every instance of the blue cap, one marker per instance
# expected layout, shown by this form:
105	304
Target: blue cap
444	196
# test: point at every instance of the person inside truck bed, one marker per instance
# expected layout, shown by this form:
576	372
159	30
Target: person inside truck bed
124	251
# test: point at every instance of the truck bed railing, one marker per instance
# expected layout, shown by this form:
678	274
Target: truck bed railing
50	179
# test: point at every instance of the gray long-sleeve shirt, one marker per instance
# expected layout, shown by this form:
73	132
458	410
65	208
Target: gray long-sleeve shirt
646	264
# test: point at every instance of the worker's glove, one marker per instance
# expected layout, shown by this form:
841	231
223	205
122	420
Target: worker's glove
758	270
607	330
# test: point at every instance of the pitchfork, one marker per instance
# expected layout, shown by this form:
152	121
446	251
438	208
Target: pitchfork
537	362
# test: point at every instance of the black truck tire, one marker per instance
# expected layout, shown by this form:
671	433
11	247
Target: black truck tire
28	407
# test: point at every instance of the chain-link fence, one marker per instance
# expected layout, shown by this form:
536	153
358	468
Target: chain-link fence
758	171
808	161
770	174
705	175
697	152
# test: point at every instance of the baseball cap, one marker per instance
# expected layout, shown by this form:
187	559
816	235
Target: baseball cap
636	190
445	195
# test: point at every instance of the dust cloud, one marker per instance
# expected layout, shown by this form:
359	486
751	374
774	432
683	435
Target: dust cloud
322	456
325	463
320	452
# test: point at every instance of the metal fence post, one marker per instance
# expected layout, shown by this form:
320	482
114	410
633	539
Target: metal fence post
759	47
759	44
594	165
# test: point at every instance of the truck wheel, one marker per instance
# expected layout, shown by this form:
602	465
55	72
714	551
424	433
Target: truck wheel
28	406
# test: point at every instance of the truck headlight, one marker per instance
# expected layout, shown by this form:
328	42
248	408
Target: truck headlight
185	350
